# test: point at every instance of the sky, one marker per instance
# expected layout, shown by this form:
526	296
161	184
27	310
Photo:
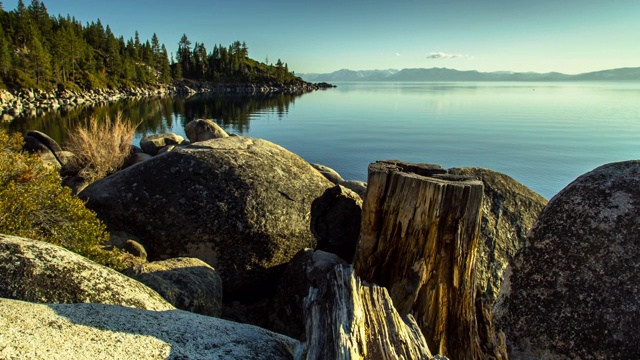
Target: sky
568	36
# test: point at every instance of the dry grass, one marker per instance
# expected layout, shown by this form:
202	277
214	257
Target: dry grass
100	147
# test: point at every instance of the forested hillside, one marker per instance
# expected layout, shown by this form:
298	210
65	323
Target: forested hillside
38	50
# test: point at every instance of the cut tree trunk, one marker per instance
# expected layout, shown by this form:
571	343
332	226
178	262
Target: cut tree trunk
418	238
348	319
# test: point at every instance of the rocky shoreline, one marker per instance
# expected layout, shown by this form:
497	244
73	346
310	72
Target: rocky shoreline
14	103
231	231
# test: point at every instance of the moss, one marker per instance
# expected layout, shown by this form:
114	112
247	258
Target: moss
34	204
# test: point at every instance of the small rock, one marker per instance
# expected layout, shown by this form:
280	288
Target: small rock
151	144
135	248
357	186
329	173
201	130
187	283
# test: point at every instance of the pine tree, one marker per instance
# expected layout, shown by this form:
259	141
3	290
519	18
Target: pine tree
5	54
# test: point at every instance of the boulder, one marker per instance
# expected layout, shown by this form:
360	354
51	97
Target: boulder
509	210
573	289
98	331
153	143
329	173
309	268
136	158
201	130
335	221
187	283
136	249
37	271
240	204
46	140
357	186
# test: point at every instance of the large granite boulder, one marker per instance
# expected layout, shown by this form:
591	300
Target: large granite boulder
37	271
240	204
335	221
573	290
509	210
98	331
201	130
187	283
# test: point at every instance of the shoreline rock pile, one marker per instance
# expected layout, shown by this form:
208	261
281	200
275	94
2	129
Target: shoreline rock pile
15	103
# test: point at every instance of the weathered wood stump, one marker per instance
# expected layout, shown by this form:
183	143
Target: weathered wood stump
418	238
348	319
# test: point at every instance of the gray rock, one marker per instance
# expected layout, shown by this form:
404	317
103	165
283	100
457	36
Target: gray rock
573	290
46	140
201	130
309	268
509	210
187	283
75	183
329	173
37	271
136	249
34	146
335	221
98	331
136	158
151	144
167	148
240	204
357	186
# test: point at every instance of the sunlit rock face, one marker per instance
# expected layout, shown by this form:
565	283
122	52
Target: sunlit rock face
240	204
573	291
37	271
99	331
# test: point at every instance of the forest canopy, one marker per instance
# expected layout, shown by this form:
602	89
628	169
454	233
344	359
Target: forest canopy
38	50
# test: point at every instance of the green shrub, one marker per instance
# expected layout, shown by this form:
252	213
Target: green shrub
34	204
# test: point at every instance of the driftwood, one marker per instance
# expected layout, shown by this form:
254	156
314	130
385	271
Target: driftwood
349	319
418	239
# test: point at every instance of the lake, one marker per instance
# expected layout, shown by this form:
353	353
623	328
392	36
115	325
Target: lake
542	134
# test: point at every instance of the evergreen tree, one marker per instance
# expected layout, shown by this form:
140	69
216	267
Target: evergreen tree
5	54
184	55
39	60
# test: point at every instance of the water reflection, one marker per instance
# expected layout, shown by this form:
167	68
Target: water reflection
157	115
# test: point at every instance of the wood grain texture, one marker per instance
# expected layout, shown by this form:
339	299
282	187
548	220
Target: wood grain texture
349	319
419	238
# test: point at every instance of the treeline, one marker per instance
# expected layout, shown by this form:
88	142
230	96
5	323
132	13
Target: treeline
226	64
42	51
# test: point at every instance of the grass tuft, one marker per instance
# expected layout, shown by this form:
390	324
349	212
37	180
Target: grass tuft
100	147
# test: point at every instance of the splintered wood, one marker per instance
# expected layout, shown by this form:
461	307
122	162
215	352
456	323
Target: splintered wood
419	237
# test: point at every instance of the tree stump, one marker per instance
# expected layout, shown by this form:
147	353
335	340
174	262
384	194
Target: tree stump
348	319
418	238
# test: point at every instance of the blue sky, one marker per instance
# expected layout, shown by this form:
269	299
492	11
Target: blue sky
570	36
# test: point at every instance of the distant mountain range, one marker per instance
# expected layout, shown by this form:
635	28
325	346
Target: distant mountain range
444	74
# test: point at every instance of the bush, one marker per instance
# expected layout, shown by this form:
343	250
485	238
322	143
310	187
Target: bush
34	204
101	148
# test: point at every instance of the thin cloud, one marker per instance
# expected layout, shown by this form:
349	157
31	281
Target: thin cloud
446	56
398	54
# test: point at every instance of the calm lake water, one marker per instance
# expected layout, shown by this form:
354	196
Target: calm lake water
542	134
